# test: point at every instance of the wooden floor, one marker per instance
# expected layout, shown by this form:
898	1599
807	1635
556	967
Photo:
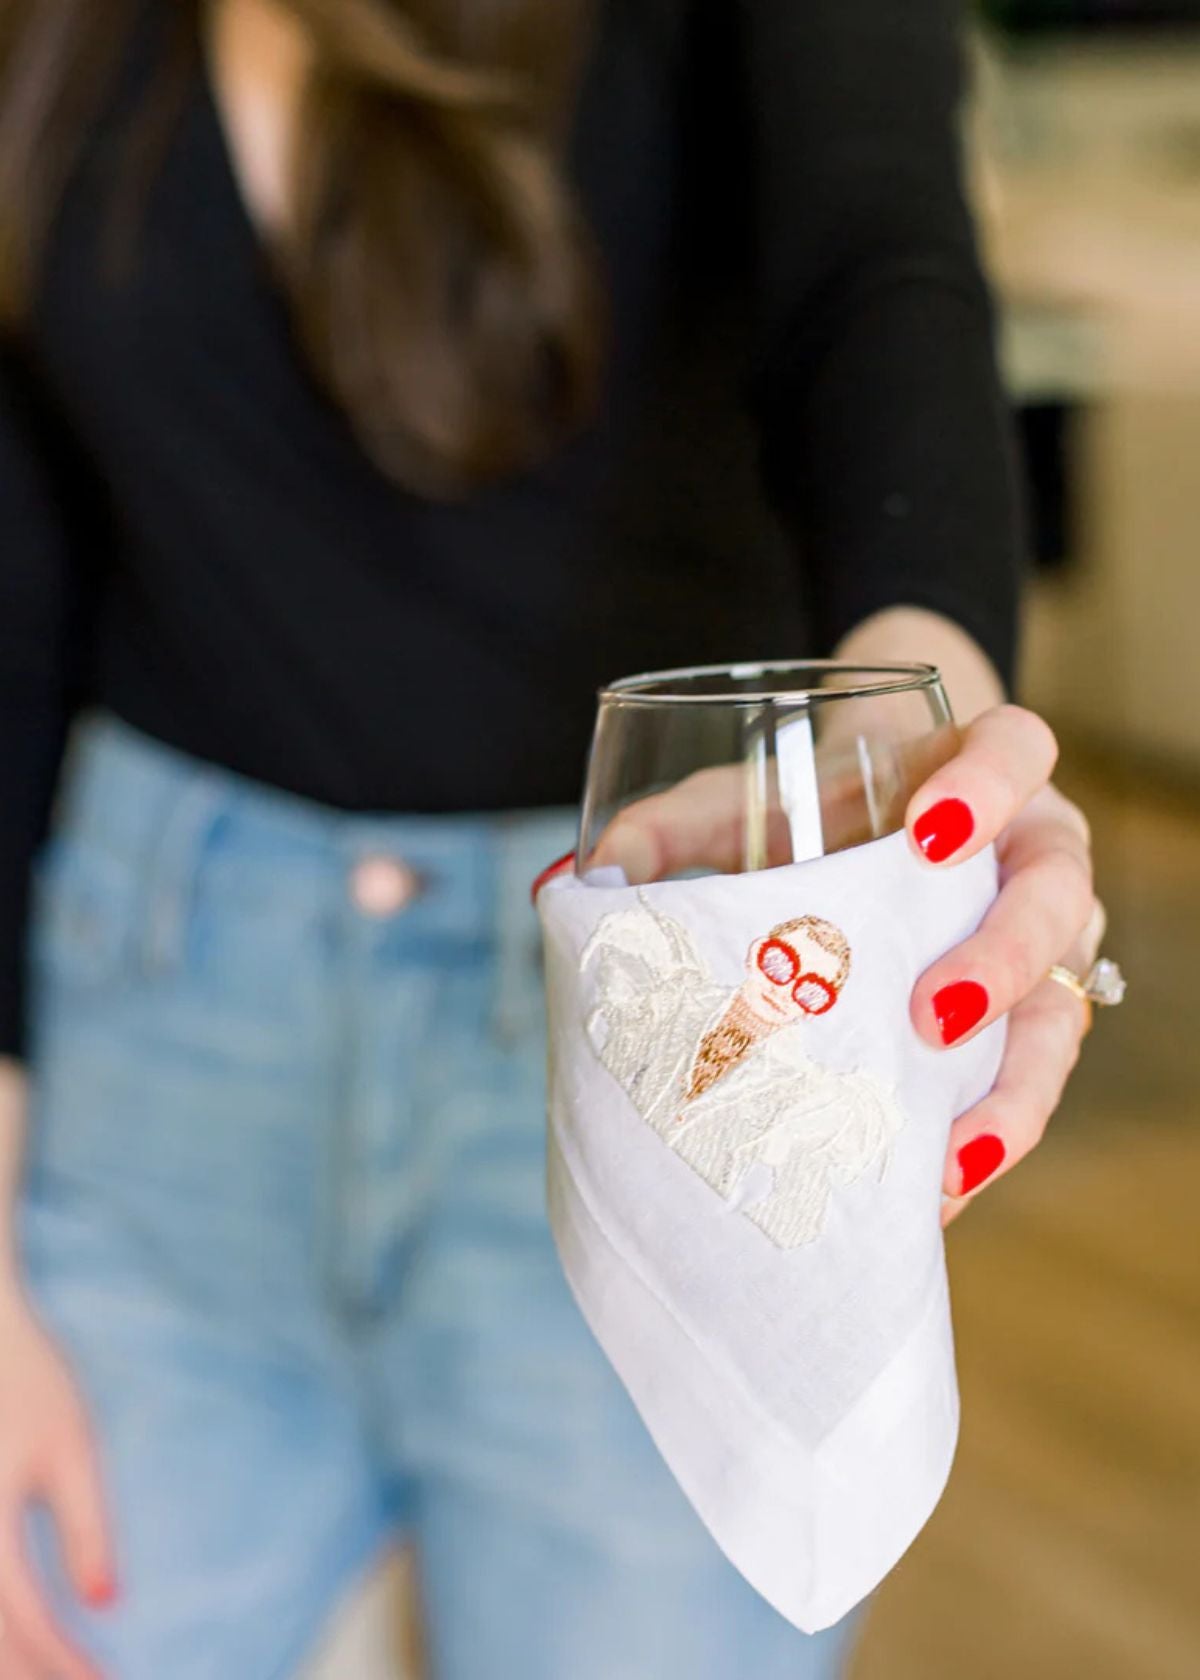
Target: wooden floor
1068	1544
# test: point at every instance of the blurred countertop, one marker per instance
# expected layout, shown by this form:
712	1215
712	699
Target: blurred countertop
1086	164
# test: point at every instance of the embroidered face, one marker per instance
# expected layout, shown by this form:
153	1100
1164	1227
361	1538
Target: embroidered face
798	970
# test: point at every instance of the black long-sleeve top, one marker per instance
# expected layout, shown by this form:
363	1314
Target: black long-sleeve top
190	537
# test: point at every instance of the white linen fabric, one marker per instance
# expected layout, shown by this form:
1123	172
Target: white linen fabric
746	1148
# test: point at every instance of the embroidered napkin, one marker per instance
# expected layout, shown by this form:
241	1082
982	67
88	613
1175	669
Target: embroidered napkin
747	1140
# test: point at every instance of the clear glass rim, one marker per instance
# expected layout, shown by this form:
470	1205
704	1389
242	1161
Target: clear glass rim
671	687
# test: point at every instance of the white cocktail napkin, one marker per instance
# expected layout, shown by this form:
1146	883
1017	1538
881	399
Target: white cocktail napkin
747	1142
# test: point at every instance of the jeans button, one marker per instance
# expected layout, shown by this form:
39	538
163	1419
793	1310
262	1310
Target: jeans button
382	886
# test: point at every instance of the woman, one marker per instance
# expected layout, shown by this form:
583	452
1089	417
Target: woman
365	401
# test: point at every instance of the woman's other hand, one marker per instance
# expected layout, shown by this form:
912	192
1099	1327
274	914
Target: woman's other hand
46	1454
46	1458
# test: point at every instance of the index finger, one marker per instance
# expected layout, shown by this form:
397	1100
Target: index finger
1006	755
699	823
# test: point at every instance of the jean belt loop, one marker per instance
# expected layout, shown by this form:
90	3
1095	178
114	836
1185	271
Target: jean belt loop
171	867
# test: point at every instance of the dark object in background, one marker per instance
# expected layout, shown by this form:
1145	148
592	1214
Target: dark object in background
1045	434
1030	17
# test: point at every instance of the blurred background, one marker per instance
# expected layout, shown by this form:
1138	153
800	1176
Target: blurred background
1068	1542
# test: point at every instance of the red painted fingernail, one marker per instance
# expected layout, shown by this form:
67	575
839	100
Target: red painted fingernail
550	870
978	1160
101	1592
959	1007
944	829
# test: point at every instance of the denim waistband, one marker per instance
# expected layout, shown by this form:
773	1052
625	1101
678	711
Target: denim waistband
139	799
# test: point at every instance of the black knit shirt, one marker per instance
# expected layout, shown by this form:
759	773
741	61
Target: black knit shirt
801	424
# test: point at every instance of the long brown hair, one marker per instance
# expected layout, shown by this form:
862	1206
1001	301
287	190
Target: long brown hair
440	274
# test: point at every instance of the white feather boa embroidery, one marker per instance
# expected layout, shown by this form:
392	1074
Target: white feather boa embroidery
777	1133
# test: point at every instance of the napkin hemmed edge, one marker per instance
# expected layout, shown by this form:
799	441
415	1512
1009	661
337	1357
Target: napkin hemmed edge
860	1498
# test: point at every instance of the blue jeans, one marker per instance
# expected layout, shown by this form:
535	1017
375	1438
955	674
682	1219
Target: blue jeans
284	1209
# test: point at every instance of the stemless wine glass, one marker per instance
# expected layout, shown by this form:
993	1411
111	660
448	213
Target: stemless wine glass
743	767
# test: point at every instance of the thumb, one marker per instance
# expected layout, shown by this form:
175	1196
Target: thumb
73	1493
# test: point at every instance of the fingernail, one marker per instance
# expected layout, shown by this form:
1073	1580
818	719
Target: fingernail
550	870
943	829
101	1592
959	1007
978	1160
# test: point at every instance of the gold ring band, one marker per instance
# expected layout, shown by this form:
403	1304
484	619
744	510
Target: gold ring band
1104	984
1068	978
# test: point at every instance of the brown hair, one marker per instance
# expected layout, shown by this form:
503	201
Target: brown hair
438	269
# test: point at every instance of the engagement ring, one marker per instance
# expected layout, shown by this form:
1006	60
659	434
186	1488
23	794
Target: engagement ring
1104	984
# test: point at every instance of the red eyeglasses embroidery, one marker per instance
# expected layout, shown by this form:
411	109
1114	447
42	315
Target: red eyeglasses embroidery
780	963
725	1077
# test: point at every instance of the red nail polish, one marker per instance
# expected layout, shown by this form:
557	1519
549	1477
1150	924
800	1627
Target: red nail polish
959	1007
551	869
944	829
978	1160
101	1592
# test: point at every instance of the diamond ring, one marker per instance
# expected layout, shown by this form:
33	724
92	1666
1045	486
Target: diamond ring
1104	984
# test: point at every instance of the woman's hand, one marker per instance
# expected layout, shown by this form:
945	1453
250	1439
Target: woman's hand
997	788
46	1458
994	787
992	784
